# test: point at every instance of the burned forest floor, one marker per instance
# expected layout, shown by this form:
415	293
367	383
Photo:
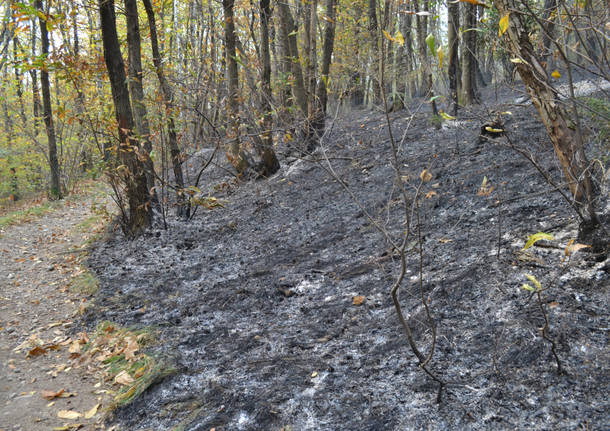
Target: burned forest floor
273	311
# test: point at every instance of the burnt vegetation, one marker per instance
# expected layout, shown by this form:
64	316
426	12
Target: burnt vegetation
341	214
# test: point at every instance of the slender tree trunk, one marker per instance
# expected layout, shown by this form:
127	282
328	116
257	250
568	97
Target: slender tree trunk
453	19
566	140
327	53
234	151
375	52
134	172
136	89
468	58
269	162
183	209
55	186
288	33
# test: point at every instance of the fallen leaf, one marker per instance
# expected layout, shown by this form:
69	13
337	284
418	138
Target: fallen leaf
444	240
49	395
314	374
358	300
425	175
123	378
90	413
131	349
431	194
68	414
68	427
37	351
74	347
556	74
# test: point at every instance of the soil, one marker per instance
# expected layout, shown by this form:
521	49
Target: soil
276	312
38	316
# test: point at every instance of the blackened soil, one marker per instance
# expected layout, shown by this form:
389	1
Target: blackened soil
255	307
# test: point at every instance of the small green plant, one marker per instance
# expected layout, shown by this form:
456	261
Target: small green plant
119	350
84	284
536	289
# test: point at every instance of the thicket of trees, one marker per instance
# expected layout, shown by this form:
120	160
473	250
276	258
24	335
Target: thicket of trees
135	88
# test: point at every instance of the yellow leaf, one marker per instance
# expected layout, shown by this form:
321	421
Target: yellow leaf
536	237
90	413
314	374
387	35
68	414
425	175
492	130
400	38
517	61
446	116
556	74
358	300
503	25
440	54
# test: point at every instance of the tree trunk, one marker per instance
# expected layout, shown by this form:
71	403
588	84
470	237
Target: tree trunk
183	209
453	19
234	151
55	186
288	32
134	171
136	89
468	56
319	119
566	141
375	51
269	162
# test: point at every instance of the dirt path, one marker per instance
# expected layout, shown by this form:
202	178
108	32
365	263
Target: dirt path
37	315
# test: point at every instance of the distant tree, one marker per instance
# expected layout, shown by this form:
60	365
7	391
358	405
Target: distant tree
55	186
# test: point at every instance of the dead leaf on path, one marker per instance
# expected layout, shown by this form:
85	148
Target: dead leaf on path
90	413
75	347
49	395
68	414
123	378
131	349
36	351
68	427
431	194
444	240
358	300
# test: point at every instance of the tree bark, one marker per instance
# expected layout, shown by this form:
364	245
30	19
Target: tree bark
183	208
468	57
566	141
269	162
133	170
234	152
319	118
288	33
136	89
453	19
55	186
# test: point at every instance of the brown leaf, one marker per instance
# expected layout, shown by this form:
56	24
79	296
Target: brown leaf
131	349
123	378
49	395
431	194
358	300
37	351
425	175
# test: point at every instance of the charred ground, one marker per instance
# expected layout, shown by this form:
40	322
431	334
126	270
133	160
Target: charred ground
254	301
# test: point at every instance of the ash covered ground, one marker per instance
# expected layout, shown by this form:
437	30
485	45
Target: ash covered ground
254	306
